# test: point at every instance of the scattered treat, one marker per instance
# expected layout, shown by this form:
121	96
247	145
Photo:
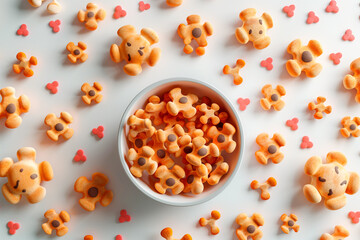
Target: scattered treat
355	216
305	143
174	3
254	28
195	177
319	107
91	93
25	64
332	7
59	126
209	113
272	97
348	36
22	31
77	52
312	18
219	170
89	237
235	71
293	123
91	16
243	102
142	161
223	139
143	6
118	237
353	81
289	10
197	31
24	177
53	87
350	127
267	63
119	12
155	109
80	156
330	180
55	25
335	57
13	227
264	187
249	226
139	125
36	3
169	179
201	150
124	217
339	233
93	191
211	222
181	103
167	233
54	7
269	148
99	131
56	222
289	222
135	49
11	107
304	58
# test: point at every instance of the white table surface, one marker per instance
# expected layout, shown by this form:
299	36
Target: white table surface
148	216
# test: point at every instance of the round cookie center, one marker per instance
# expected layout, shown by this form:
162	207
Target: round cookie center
272	149
33	176
274	97
91	93
59	127
93	192
221	138
11	108
77	52
250	229
352	127
291	223
141	161
172	138
306	56
196	32
161	153
190	179
90	14
202	152
183	100
170	182
138	143
55	223
187	149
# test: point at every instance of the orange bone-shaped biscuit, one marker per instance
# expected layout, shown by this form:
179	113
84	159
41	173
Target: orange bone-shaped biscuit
195	30
59	126
170	179
249	226
272	97
200	151
56	222
138	125
171	121
11	107
350	127
155	109
25	64
192	130
304	58
353	81
223	139
254	28
167	233
161	156
264	187
235	71
340	233
221	168
76	52
181	103
196	177
319	107
91	16
289	222
269	148
211	222
93	191
174	3
142	161
209	113
92	93
170	137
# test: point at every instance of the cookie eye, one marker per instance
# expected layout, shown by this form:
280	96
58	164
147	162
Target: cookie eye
337	169
129	44
343	183
141	48
250	31
21	170
33	176
260	21
322	179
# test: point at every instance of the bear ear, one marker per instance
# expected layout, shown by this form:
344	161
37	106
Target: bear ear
312	165
5	165
26	153
125	31
354	183
336	157
150	35
268	20
46	171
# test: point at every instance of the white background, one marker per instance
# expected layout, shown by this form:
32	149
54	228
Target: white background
150	217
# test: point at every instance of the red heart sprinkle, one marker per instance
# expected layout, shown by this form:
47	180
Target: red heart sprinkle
143	6
348	36
55	25
335	57
332	7
22	31
289	10
306	143
355	216
312	18
99	131
293	123
243	102
124	217
53	87
13	227
267	63
118	237
80	156
119	12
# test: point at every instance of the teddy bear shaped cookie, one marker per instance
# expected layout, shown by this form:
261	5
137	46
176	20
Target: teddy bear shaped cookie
330	180
25	176
174	3
254	28
249	226
135	49
353	81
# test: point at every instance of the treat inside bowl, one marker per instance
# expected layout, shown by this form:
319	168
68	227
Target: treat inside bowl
146	182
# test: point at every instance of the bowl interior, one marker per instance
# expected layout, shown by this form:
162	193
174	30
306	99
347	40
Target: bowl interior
145	184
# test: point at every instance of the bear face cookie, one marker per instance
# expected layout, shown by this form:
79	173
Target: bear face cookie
135	49
352	81
24	177
330	180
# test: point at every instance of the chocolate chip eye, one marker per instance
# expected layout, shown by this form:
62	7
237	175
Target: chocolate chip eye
141	48
343	183
322	179
337	169
260	21
250	31
24	191
33	176
21	170
129	44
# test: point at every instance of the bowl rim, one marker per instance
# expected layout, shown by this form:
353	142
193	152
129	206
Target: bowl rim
135	181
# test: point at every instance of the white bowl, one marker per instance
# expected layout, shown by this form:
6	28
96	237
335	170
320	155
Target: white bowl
200	89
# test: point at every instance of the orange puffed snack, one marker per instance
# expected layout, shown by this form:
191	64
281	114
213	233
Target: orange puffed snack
59	126
272	97
219	170
350	127
91	16
142	161
269	148
223	138
88	237
304	58
56	222
235	71
211	222
12	107
209	113
264	187
254	28
249	226
201	150
76	52
340	233
93	191
92	93
25	64
196	177
167	233
174	3
319	107
353	81
197	31
170	179
289	222
181	103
